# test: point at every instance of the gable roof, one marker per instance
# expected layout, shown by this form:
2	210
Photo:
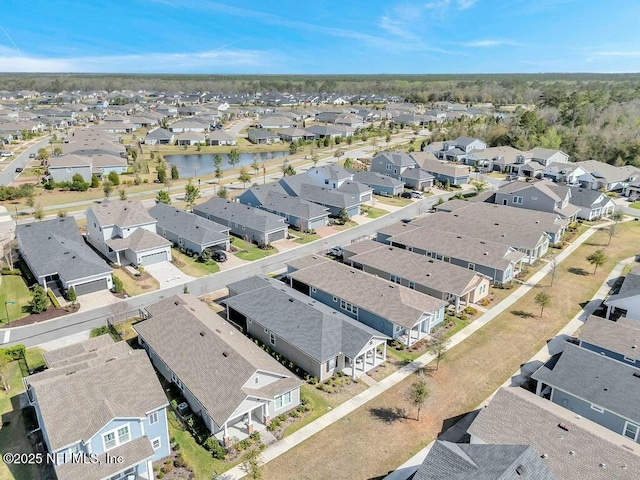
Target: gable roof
622	338
587	198
426	162
160	134
73	350
398	304
630	286
56	246
545	187
69	160
241	214
93	395
123	213
212	359
189	225
312	327
289	205
594	378
400	159
334	172
326	196
609	173
452	461
374	178
516	416
138	241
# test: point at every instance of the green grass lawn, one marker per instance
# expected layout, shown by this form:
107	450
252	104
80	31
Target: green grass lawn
250	251
319	406
346	226
13	436
373	212
190	266
14	289
137	286
302	237
635	205
395	201
35	359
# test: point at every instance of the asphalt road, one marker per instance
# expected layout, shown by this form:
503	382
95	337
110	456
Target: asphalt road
35	334
9	174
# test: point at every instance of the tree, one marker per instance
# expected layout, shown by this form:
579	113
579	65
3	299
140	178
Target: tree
118	286
30	199
542	299
175	175
191	194
597	258
343	216
553	270
611	231
78	184
39	301
62	214
71	295
57	150
348	163
38	212
95	182
123	194
287	169
418	393
113	178
162	173
256	164
43	154
107	188
293	148
617	216
388	138
163	197
438	345
223	192
10	253
244	177
251	464
5	360
349	140
218	173
217	161
234	157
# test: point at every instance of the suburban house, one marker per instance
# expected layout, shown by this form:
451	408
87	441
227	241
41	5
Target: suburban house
86	406
300	214
62	168
272	122
618	340
124	232
402	167
464	461
532	241
394	310
627	300
190	138
262	136
498	261
601	175
465	144
551	223
443	172
570	445
317	338
379	183
456	285
502	158
189	125
596	387
254	224
295	134
330	176
159	136
59	258
568	173
219	137
593	204
230	382
188	230
543	195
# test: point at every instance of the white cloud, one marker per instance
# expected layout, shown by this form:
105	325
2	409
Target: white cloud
491	43
617	53
214	61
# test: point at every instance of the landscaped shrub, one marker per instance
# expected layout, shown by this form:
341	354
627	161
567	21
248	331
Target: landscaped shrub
470	311
180	462
8	271
219	452
118	287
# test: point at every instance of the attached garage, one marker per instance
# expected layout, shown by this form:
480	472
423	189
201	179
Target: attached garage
90	287
152	258
277	235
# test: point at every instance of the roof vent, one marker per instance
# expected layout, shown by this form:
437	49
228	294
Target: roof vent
571	452
603	465
291	300
225	354
564	426
483	242
520	469
65	253
636	374
634	346
458	236
202	333
219	331
486	253
544	455
504	235
496	224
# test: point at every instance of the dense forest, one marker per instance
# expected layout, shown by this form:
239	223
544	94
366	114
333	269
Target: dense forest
586	115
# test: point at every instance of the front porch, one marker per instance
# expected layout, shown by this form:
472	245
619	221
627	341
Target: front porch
240	426
370	358
416	333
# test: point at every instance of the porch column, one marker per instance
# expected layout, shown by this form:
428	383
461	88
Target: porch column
384	351
539	389
409	337
457	303
265	413
609	309
118	257
225	439
353	367
249	424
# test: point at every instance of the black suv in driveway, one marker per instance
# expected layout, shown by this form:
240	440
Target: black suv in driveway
219	256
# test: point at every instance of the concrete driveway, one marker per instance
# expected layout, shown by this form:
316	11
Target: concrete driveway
96	299
167	274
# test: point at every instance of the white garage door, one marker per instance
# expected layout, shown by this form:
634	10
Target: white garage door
153	258
90	287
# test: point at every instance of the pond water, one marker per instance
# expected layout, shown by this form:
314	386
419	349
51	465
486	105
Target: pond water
193	164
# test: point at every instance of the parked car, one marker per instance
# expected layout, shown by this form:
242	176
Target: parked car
32	155
406	195
416	194
336	251
219	256
19	170
512	177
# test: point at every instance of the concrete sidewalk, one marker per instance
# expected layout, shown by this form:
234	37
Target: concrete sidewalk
287	443
554	346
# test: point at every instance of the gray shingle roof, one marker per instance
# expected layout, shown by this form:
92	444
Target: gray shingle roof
609	173
375	179
286	204
241	214
350	187
398	304
93	396
451	461
195	228
127	213
596	379
312	327
617	337
160	134
56	246
424	160
516	416
436	274
138	241
211	358
93	344
326	196
587	198
399	159
630	286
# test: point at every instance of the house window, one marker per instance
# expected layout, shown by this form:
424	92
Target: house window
517	200
283	400
630	360
348	307
266	330
471	266
483	288
534	198
395	278
410	249
331	364
631	431
156	443
335	299
272	339
389	167
69	170
313	289
153	418
597	408
446	259
412	285
326	182
123	435
109	440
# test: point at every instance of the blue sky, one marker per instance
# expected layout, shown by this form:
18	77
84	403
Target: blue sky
285	36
